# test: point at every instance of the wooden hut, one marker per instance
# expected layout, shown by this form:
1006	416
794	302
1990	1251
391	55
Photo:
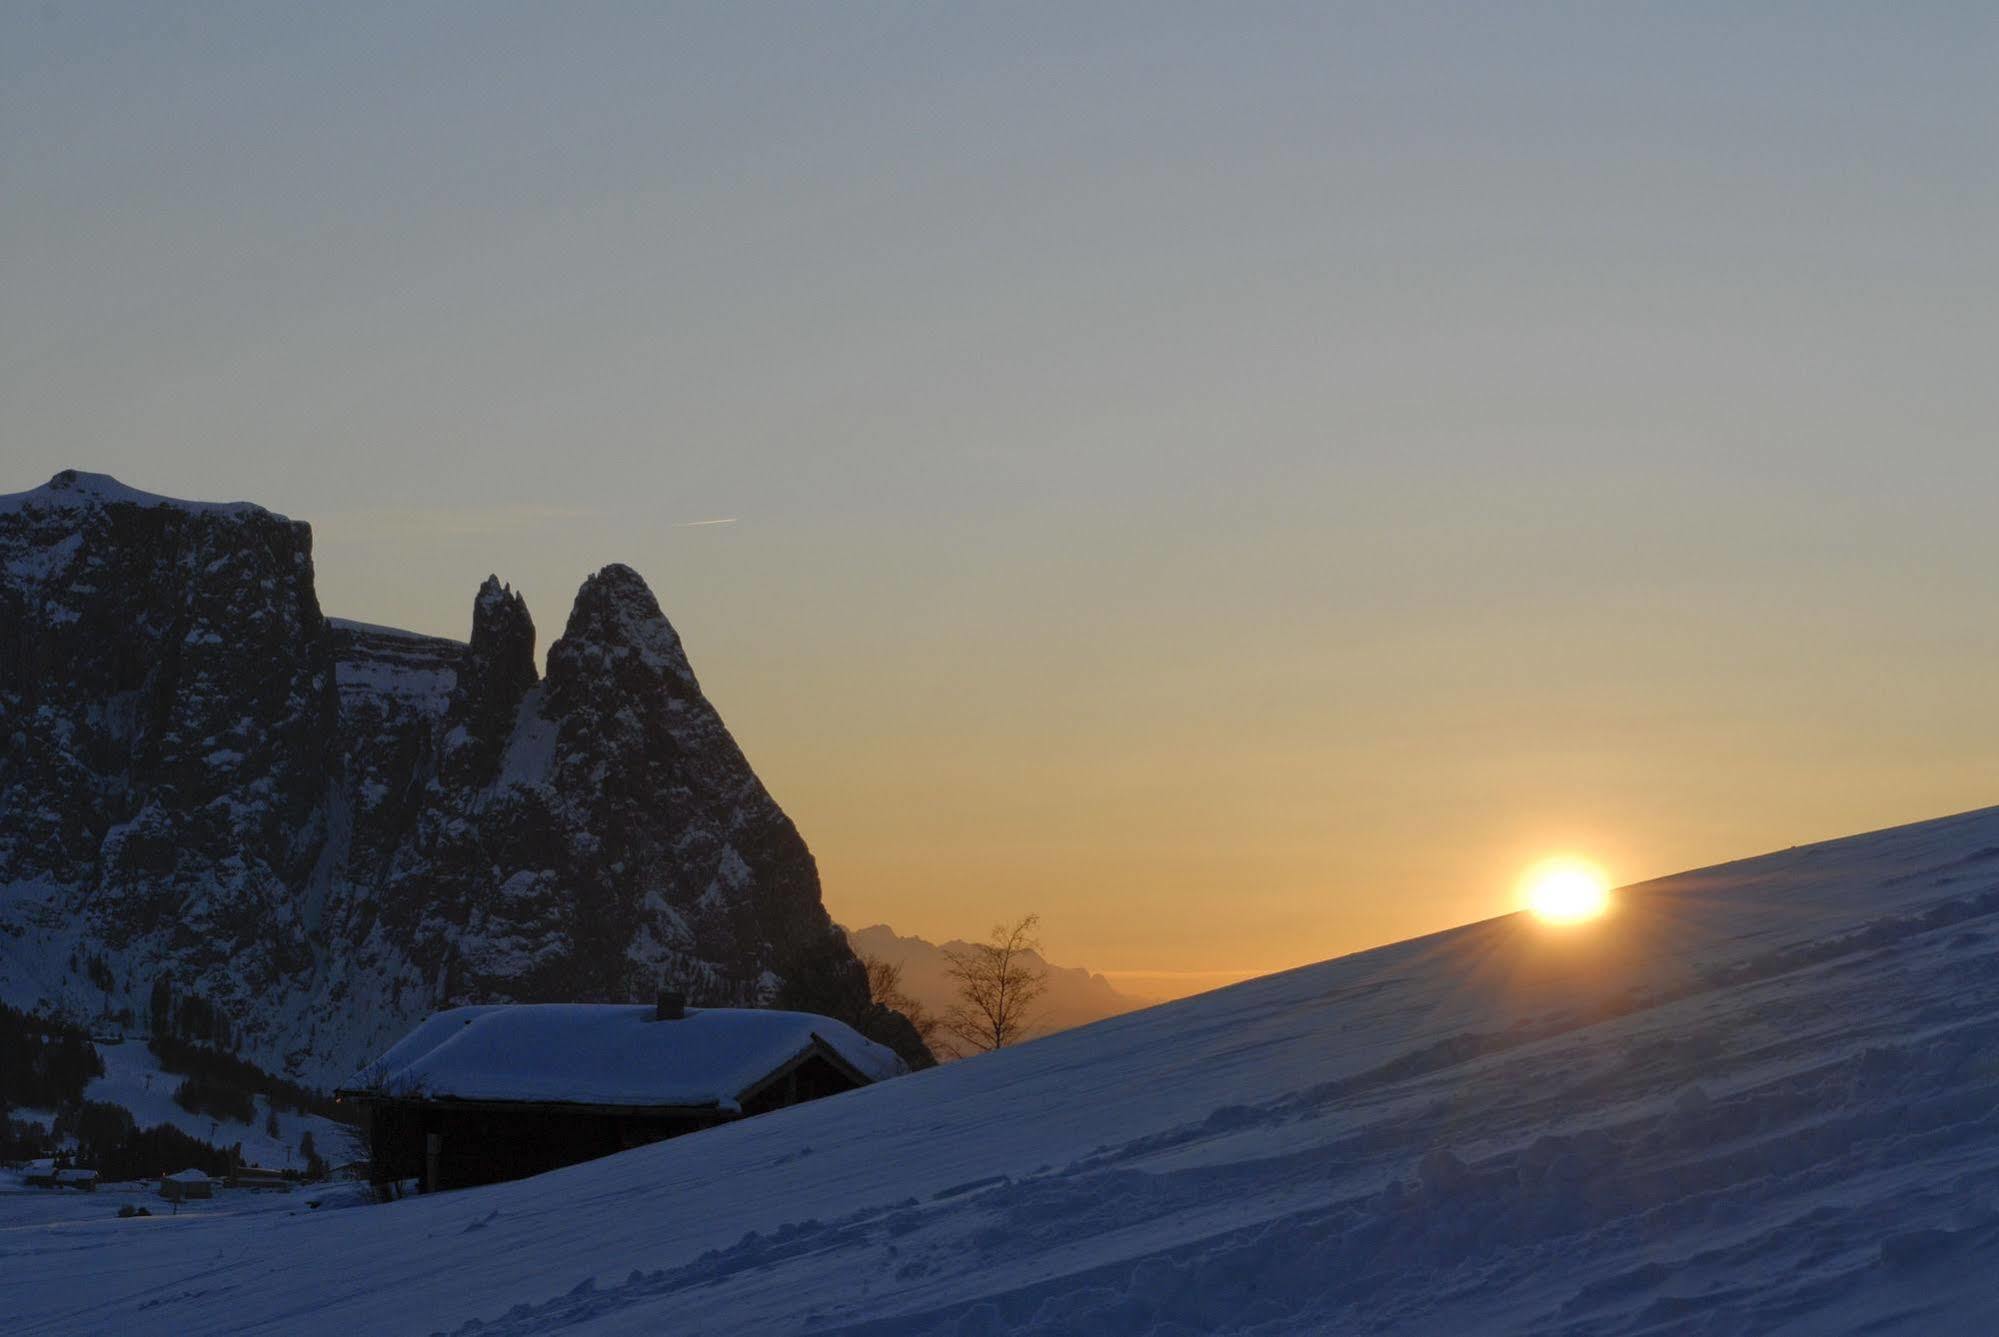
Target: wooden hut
481	1094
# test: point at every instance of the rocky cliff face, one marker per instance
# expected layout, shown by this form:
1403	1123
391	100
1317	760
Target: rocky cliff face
328	829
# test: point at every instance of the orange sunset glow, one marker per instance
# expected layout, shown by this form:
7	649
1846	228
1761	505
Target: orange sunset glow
928	669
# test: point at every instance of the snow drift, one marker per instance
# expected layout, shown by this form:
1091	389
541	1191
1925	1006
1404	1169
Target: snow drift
1757	1098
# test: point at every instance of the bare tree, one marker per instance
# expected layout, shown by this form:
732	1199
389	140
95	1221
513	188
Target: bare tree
885	988
998	982
884	982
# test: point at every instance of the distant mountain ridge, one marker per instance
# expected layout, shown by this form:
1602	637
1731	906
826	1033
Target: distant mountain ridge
328	829
1075	997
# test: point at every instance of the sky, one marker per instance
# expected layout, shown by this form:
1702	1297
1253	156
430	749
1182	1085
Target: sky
1242	481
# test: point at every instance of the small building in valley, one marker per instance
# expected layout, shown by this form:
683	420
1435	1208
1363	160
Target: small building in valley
480	1094
185	1185
47	1173
258	1176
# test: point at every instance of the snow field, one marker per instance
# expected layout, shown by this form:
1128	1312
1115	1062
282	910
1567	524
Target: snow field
1760	1098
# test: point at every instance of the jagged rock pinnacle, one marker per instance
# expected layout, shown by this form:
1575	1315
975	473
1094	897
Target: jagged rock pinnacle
502	642
326	829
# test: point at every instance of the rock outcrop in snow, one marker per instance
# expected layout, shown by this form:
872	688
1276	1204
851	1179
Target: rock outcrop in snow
330	829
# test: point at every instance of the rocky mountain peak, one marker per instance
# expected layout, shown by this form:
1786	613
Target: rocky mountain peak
327	830
496	599
502	649
496	673
618	635
79	489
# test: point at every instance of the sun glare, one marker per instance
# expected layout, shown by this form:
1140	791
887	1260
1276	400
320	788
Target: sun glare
1565	891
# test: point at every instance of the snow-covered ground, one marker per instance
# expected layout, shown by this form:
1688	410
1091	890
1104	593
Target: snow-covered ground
1759	1098
26	1210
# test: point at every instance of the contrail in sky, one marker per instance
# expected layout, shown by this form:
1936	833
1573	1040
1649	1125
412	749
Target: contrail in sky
696	524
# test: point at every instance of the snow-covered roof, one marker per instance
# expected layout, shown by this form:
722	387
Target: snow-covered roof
74	488
187	1177
610	1054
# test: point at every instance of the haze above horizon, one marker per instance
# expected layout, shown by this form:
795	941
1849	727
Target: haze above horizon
1242	482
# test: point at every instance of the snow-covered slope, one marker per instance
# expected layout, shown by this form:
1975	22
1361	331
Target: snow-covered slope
1761	1098
134	1079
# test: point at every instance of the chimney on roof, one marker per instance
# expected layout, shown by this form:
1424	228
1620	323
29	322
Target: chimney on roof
672	1005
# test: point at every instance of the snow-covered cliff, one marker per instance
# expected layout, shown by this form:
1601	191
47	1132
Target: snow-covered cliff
328	829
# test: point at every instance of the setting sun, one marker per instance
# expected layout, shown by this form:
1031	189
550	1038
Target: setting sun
1565	891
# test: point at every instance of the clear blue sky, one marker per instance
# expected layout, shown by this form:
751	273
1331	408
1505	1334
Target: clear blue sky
1239	479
